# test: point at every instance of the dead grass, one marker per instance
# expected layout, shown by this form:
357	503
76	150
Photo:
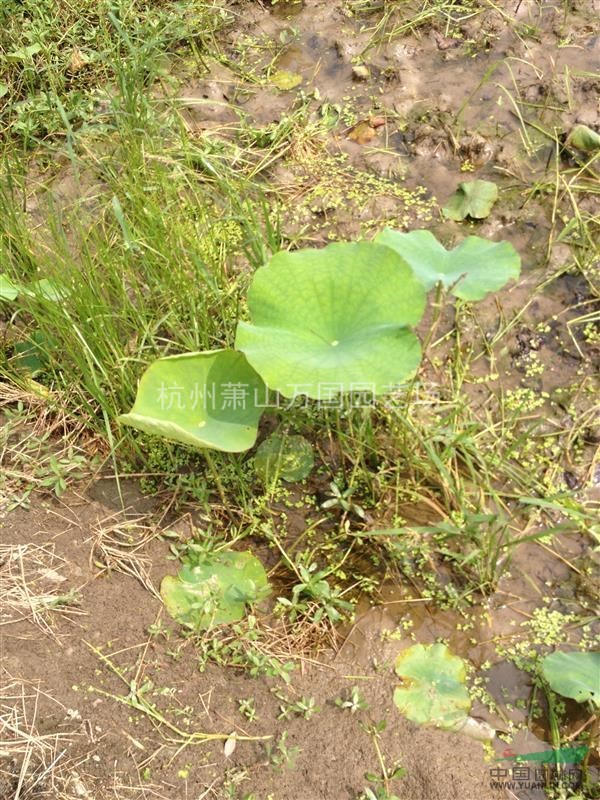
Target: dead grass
119	547
32	586
34	765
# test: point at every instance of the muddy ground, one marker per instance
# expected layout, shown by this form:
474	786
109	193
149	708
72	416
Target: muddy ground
463	101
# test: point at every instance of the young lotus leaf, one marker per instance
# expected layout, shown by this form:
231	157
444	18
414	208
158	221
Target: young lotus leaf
8	289
575	675
433	691
47	289
472	199
287	457
471	270
209	400
214	590
584	138
333	320
285	80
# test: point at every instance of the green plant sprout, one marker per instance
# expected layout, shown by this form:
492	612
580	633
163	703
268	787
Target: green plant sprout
339	498
353	702
304	707
247	707
381	789
314	597
280	755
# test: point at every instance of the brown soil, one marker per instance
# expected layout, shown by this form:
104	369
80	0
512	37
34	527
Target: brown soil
72	697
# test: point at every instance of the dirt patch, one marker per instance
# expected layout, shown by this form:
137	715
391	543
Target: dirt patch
75	701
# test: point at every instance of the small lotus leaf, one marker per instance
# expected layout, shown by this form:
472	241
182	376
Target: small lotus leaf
433	691
285	80
208	400
8	289
288	457
584	138
215	590
471	270
333	320
575	675
46	288
31	354
472	199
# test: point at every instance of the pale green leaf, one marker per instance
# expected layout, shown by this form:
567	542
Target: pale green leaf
333	320
433	690
287	457
575	675
472	199
584	138
471	270
211	399
285	80
8	290
214	589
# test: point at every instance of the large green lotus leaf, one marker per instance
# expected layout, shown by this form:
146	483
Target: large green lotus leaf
472	269
333	320
575	675
215	590
433	690
287	457
209	399
472	199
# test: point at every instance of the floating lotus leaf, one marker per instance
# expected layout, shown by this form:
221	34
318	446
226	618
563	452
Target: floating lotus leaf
433	690
333	320
287	457
471	270
215	590
472	199
209	399
285	80
575	675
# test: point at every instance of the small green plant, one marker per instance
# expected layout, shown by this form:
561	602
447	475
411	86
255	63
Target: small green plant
281	755
304	707
342	498
54	475
247	707
315	598
380	789
353	702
